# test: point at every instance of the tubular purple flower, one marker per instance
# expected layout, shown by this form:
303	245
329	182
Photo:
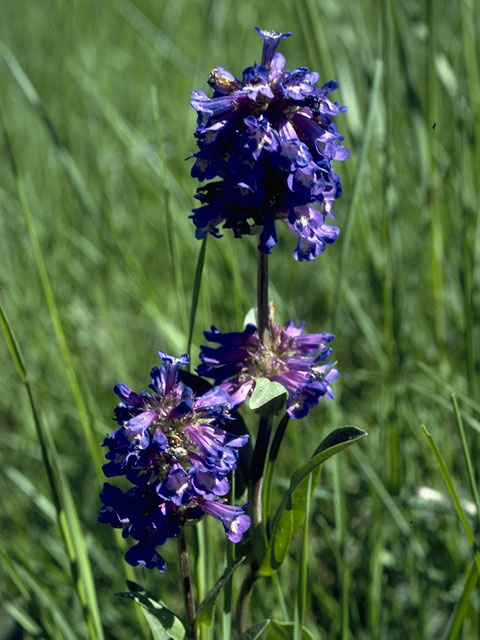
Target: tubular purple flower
234	519
146	556
173	448
269	139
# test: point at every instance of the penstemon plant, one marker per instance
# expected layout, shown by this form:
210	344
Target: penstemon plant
265	148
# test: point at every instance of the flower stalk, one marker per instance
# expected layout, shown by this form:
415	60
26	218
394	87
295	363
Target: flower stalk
187	587
266	143
195	294
257	470
262	296
269	469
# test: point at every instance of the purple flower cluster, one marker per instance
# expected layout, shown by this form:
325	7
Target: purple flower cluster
287	356
270	140
172	448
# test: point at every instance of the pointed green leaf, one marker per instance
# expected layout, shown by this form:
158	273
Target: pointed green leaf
291	511
134	586
284	631
12	343
163	623
256	631
336	441
207	608
268	397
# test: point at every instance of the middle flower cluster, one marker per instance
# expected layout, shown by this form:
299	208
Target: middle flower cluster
288	356
171	446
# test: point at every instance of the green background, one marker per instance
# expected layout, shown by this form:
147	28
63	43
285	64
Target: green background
100	150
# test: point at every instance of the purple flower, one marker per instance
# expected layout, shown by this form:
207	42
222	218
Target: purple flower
268	139
145	555
288	356
234	520
173	448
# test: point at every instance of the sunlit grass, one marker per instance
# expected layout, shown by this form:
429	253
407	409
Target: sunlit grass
98	260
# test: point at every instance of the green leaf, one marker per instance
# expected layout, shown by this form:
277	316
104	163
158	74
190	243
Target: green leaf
206	608
284	631
256	631
268	397
163	623
336	441
291	511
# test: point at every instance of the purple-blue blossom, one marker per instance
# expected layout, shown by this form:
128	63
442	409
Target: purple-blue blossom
288	356
175	449
266	144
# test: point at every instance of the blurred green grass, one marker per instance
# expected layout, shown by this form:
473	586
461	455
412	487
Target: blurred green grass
110	195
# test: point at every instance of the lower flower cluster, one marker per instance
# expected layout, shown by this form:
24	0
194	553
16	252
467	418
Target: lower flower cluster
173	448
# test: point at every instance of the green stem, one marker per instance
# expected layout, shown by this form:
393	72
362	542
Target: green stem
257	468
242	612
196	292
280	597
187	587
269	469
228	590
265	426
303	570
257	528
340	526
262	295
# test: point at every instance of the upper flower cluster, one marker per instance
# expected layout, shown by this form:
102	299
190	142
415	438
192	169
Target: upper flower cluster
287	356
171	447
270	140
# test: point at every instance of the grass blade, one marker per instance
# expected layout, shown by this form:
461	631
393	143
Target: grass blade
206	608
452	491
24	619
172	237
388	501
158	39
73	380
360	169
455	623
256	631
64	155
340	529
302	570
32	590
67	515
466	453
